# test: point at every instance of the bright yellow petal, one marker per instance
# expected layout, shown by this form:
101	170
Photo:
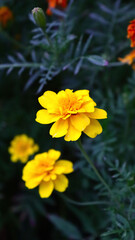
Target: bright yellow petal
87	107
14	158
53	154
63	166
98	114
93	129
83	94
59	129
48	100
61	183
41	156
34	182
44	117
45	189
80	121
72	134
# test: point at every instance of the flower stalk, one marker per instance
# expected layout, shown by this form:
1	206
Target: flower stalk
93	167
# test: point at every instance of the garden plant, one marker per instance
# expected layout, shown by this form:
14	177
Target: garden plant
67	120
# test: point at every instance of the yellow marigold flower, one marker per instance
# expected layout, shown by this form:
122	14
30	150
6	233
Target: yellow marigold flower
72	112
47	173
21	148
5	15
129	58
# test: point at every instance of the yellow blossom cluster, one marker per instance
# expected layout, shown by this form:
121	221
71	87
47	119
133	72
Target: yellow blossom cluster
21	148
72	112
47	172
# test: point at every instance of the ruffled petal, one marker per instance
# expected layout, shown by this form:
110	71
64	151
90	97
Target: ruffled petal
87	107
53	154
80	121
49	100
93	129
82	94
98	114
61	183
59	128
72	134
63	166
34	182
44	117
45	189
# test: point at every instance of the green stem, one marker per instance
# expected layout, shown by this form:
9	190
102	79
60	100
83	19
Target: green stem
93	167
48	39
83	204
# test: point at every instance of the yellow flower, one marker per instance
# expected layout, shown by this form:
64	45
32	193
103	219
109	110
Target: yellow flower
129	58
21	148
72	112
5	15
47	173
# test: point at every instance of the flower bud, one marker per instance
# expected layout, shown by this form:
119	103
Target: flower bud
39	17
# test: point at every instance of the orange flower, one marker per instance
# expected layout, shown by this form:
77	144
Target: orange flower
129	58
54	4
131	32
5	16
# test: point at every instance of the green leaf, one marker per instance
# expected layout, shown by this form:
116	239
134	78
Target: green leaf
97	60
67	228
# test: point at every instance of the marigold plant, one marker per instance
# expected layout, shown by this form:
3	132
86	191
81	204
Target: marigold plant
72	112
21	148
5	15
131	32
47	173
54	4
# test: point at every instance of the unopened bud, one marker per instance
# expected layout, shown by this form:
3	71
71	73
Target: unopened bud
39	17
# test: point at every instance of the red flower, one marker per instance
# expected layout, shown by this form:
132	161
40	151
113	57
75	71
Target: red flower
54	4
131	32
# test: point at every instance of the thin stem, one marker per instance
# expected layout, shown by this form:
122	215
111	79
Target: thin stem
93	167
47	37
83	204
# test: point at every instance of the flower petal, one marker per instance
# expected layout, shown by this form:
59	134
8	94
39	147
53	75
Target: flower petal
87	107
80	121
59	128
72	134
34	182
63	166
61	183
48	100
44	117
98	114
45	189
53	154
93	129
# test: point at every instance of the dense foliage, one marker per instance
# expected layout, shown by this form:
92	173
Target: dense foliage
79	49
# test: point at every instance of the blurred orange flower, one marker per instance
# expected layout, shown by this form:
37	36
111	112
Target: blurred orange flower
129	58
131	32
54	4
5	15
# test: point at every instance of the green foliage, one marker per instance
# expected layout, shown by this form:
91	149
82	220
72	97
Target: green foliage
79	50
